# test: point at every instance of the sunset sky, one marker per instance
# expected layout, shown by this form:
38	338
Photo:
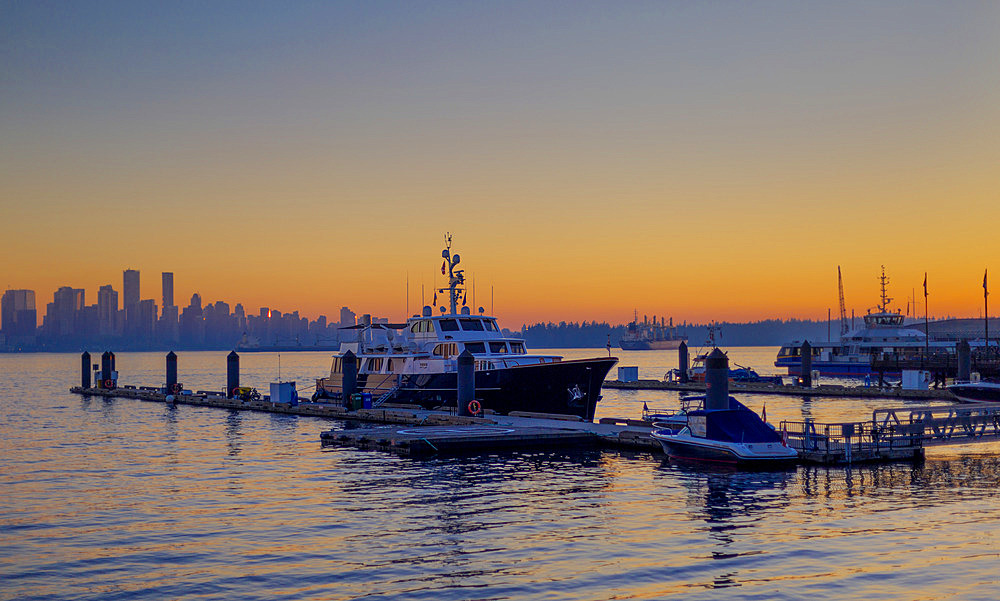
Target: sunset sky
701	160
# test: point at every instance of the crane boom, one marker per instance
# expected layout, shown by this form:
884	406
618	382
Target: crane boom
843	307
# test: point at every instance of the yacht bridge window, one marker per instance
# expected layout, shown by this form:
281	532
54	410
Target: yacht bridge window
446	350
498	347
474	325
476	348
491	326
517	348
448	325
424	325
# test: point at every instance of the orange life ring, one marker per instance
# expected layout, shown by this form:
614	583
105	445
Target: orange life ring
474	406
236	391
176	388
109	383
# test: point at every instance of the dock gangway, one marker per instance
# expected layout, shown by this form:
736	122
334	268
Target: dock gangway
891	434
952	424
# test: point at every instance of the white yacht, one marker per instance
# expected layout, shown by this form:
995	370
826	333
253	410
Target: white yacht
417	361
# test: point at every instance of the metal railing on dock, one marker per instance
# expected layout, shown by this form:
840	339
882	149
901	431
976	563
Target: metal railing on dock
942	425
849	442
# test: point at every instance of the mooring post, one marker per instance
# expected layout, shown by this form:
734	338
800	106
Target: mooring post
105	370
85	370
682	354
232	373
964	361
350	379
172	373
716	381
466	381
807	365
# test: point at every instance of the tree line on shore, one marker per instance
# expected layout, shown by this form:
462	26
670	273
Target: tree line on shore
768	332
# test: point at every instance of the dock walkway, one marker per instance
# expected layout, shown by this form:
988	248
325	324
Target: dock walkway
825	390
519	429
891	434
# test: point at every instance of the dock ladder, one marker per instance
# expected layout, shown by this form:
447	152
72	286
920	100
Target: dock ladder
385	397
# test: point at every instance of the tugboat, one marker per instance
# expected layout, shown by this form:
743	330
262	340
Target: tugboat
416	361
724	431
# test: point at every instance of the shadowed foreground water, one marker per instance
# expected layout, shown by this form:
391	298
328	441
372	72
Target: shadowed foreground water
124	499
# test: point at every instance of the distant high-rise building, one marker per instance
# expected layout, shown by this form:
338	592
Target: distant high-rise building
18	317
108	322
146	318
347	317
167	327
168	289
130	299
61	313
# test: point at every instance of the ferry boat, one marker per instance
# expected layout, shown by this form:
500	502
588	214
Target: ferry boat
734	436
650	337
883	333
416	361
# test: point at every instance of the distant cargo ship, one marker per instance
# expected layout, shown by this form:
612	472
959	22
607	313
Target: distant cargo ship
655	336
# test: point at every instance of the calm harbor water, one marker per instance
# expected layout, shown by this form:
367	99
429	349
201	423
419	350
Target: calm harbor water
123	499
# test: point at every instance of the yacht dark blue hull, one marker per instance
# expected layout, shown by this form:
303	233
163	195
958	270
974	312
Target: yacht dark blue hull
563	387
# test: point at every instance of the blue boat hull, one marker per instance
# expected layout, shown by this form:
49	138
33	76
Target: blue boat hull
840	369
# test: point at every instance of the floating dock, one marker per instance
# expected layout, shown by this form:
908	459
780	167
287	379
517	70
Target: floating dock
827	390
459	439
446	432
891	435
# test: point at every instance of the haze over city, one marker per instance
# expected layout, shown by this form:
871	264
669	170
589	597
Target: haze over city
697	160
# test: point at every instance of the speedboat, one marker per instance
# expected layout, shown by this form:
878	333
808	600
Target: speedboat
734	436
976	392
417	361
674	420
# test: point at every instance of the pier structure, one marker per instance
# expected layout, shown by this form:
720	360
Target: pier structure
823	390
890	435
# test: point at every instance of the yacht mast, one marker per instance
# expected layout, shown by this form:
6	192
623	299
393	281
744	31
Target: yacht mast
883	280
456	277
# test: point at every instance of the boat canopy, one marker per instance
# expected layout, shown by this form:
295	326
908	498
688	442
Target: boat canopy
737	424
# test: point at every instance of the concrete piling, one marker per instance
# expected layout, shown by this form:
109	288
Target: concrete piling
105	370
682	354
466	381
350	379
172	373
232	373
807	364
85	370
716	381
964	361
